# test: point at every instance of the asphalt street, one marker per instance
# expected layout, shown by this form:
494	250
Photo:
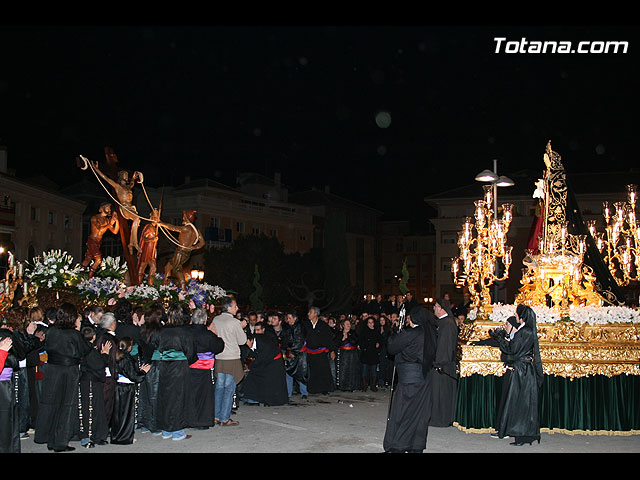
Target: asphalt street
341	422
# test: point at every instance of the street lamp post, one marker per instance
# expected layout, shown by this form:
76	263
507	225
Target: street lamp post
492	177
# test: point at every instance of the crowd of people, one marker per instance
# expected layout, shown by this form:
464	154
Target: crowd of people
100	377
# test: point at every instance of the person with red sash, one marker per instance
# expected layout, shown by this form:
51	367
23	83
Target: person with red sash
201	390
321	347
347	360
265	382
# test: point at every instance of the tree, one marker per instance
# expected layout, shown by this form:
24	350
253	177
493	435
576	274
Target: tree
256	297
404	279
339	292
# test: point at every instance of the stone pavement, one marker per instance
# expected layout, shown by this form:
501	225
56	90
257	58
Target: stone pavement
341	422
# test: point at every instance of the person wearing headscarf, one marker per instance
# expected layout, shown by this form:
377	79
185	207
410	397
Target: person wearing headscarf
413	348
519	417
444	374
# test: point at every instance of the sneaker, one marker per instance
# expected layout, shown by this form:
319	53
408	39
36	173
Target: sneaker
166	437
183	437
24	436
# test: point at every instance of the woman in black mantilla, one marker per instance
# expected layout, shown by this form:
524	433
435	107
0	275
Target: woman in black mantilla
521	354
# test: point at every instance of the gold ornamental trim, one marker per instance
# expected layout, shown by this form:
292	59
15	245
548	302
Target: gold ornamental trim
567	349
611	433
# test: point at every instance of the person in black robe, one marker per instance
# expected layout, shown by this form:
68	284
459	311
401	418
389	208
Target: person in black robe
9	424
413	348
34	361
521	354
148	389
369	345
123	420
125	327
201	391
510	326
265	381
176	349
296	357
16	319
57	421
386	365
348	367
320	347
94	429
106	333
444	375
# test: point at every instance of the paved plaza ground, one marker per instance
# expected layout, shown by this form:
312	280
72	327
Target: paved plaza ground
341	422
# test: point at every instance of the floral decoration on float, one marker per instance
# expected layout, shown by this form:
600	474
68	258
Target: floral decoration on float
53	277
593	315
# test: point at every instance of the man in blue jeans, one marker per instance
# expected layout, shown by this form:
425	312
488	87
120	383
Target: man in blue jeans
228	366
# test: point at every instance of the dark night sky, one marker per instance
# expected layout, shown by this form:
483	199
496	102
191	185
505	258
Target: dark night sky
215	100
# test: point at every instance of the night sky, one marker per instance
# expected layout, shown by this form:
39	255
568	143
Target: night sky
383	114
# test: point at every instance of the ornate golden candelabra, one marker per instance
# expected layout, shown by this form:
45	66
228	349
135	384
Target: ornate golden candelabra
620	241
12	280
477	261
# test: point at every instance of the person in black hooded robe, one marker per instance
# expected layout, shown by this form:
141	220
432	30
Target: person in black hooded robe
444	375
265	381
521	354
413	348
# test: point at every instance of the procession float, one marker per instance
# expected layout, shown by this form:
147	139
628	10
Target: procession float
55	276
572	278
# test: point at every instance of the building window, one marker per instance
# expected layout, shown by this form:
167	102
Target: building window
273	232
445	264
67	222
215	222
51	218
240	227
449	238
303	238
255	230
35	214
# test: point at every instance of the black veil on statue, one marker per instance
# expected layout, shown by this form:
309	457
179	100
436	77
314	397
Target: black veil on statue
605	285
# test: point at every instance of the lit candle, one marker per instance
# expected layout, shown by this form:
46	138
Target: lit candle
631	189
606	211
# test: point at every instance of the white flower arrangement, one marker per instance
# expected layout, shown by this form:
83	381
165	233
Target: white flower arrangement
590	314
112	268
54	269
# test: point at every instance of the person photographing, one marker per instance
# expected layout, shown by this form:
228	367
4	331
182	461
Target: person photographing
414	348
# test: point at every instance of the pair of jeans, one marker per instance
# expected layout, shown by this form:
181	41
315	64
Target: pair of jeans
178	434
369	370
303	387
225	388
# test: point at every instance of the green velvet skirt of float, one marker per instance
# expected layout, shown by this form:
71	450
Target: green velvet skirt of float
593	405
